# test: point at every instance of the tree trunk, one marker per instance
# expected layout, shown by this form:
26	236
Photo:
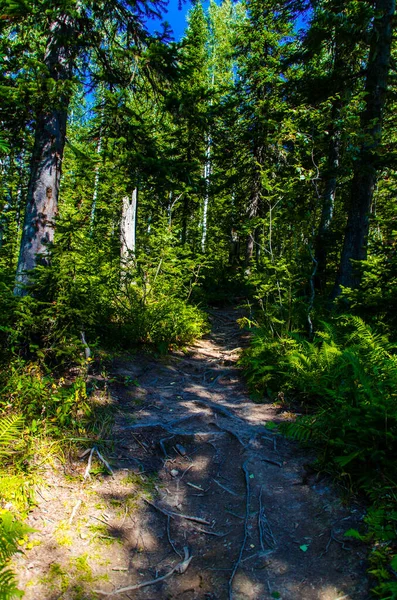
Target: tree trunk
207	175
364	177
128	226
45	170
254	204
327	212
96	182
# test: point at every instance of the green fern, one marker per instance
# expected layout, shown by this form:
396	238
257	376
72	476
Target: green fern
11	531
10	431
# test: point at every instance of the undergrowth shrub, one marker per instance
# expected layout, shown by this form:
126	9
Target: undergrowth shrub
42	399
12	497
345	380
146	298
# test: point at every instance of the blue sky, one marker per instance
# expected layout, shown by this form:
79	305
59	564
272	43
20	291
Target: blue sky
175	17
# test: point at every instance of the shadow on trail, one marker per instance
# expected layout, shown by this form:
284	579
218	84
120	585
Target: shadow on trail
196	473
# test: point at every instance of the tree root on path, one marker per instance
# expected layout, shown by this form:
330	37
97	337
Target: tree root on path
180	568
169	513
247	514
265	531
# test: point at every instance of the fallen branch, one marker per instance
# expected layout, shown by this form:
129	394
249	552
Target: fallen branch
88	469
161	442
272	462
221	535
247	514
180	568
105	462
74	511
174	514
225	488
186	470
196	487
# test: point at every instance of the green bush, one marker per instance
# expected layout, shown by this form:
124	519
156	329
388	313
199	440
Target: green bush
346	382
347	379
26	389
11	530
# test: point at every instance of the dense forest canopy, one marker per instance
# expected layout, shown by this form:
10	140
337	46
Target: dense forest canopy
143	178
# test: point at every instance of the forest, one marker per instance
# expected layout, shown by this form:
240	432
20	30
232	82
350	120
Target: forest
145	181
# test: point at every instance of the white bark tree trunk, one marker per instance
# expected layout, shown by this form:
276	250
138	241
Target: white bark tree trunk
128	226
207	175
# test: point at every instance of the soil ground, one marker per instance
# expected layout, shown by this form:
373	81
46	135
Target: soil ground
189	442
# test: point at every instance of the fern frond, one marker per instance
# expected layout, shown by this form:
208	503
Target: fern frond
10	430
8	588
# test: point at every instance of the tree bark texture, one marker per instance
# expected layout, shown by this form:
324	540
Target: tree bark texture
365	172
45	170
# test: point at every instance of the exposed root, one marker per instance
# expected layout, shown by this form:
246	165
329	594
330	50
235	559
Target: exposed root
247	514
169	537
272	462
180	568
229	491
172	514
265	531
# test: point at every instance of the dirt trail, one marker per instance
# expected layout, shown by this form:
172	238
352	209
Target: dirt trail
260	527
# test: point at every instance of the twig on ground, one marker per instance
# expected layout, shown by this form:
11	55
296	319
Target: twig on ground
186	470
258	554
88	469
180	568
225	488
84	453
196	487
161	442
174	514
234	514
247	514
74	511
105	462
41	495
139	442
272	462
221	535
